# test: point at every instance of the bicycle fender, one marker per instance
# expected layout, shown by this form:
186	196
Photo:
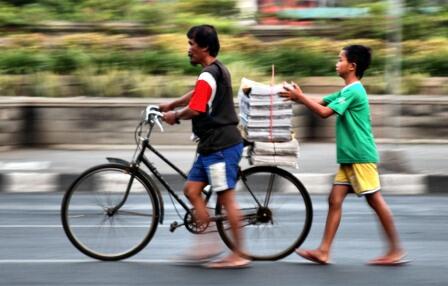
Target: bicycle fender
118	161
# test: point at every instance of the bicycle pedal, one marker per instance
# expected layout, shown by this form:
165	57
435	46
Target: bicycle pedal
173	226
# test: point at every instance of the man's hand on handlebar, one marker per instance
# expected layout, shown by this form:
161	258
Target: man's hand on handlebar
165	107
170	117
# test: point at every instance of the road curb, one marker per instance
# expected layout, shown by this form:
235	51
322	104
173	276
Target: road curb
392	184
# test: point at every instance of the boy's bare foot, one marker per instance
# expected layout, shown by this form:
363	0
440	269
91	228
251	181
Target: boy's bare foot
316	256
397	257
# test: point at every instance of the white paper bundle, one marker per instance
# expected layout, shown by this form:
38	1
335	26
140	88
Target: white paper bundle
265	116
275	153
276	148
289	161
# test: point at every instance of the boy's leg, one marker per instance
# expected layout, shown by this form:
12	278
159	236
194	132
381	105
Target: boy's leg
395	252
335	200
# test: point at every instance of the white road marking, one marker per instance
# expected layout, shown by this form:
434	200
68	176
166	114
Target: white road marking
42	261
25	166
60	226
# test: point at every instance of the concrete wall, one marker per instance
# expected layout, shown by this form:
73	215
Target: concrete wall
28	122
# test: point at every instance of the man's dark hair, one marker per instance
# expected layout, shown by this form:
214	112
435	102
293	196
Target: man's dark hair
206	37
361	56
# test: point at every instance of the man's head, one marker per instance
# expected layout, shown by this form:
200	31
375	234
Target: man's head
354	58
203	41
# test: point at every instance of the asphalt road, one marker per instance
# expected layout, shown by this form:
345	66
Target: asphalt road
35	251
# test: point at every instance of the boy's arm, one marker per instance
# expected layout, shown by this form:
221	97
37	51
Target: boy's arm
318	106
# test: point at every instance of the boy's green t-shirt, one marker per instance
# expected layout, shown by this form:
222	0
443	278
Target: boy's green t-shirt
354	139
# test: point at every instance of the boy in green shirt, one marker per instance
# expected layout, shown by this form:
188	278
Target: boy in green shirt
356	154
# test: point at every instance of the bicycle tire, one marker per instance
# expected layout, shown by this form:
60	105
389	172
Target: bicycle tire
91	198
286	215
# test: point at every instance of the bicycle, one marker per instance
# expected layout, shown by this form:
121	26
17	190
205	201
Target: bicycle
111	211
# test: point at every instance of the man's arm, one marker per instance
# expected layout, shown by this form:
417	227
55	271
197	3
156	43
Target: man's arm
180	102
317	106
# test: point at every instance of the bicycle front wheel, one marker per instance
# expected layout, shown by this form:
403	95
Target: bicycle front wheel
110	212
276	213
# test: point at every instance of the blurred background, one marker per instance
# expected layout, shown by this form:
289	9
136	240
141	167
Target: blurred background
94	55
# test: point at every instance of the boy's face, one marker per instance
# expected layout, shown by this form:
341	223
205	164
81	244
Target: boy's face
343	66
195	52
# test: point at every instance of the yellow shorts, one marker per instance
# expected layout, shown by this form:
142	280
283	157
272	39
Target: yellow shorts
363	177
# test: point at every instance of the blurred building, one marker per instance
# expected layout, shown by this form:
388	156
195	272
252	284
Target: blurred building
301	12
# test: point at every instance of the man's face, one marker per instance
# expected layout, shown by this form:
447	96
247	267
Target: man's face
196	53
343	66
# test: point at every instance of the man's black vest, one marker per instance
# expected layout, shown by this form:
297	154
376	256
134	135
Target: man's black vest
217	127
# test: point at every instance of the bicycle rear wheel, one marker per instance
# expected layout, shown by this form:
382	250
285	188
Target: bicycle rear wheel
104	223
276	213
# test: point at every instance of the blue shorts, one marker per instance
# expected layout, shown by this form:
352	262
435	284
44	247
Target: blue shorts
219	169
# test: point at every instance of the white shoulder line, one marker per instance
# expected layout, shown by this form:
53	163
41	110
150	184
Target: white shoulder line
207	77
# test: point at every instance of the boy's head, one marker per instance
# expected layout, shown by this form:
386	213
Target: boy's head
204	37
358	58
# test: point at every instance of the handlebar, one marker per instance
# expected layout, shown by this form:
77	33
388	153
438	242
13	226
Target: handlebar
152	116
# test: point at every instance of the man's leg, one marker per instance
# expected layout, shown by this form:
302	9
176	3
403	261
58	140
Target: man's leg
234	260
192	191
227	199
395	252
204	246
322	253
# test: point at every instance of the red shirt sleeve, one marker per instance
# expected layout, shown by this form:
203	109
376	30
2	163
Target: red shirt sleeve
201	95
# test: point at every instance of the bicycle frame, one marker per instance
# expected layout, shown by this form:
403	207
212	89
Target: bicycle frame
141	158
135	164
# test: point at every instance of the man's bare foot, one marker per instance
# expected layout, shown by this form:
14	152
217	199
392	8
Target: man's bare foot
232	261
317	256
393	257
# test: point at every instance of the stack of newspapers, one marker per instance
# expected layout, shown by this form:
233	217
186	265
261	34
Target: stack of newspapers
275	153
266	121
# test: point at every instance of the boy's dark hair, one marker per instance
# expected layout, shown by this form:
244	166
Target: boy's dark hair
206	37
361	56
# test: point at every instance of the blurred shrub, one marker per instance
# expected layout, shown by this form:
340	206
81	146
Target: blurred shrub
35	13
167	54
131	83
183	21
22	62
155	14
103	62
13	85
105	10
294	62
363	28
9	15
67	61
216	7
375	84
114	83
420	26
47	84
434	64
91	41
159	62
25	41
412	83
